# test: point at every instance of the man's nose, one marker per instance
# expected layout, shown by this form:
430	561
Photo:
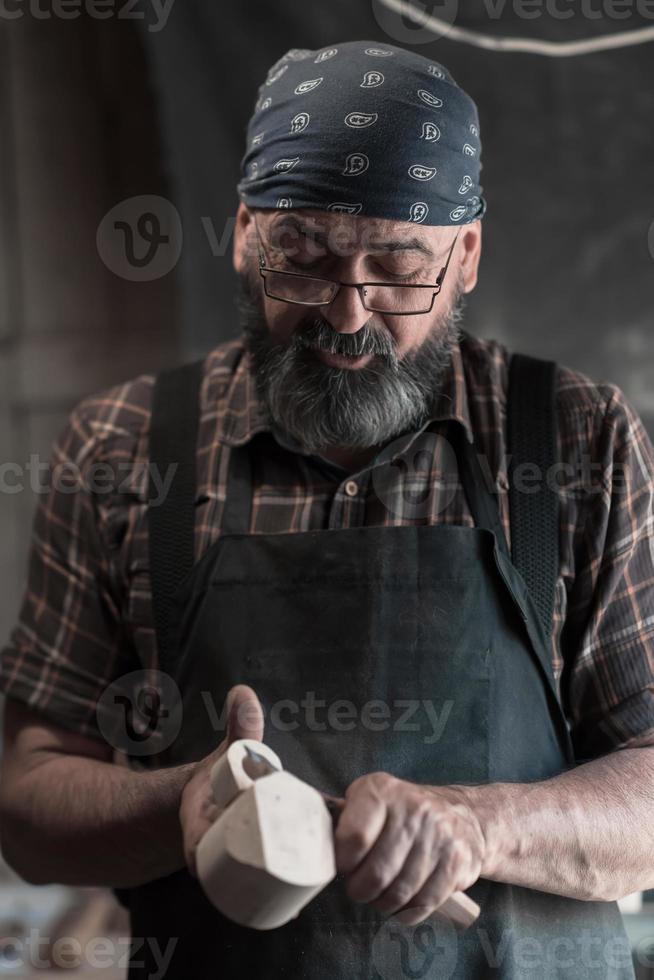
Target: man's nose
346	313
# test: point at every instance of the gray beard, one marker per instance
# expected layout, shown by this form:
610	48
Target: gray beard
322	406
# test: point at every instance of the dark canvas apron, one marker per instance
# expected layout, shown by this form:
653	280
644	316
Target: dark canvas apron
429	621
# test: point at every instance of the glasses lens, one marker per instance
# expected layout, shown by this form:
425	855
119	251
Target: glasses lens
398	299
299	289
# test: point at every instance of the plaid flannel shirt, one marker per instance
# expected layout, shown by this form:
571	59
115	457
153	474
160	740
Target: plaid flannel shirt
86	615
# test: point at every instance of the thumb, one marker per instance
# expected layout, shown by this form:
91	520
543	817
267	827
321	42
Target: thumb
244	715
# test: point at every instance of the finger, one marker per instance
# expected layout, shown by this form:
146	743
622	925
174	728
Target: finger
190	853
359	825
195	835
201	823
385	861
244	714
418	865
443	882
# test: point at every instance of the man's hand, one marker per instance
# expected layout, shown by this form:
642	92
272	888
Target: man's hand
406	847
197	809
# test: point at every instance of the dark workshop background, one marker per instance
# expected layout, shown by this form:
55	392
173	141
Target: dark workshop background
94	112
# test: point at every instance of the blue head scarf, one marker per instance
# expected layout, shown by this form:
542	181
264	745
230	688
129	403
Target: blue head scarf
364	129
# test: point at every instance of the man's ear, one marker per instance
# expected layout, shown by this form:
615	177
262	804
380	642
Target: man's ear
470	255
242	237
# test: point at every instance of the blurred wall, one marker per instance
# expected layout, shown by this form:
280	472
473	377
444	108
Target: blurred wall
77	133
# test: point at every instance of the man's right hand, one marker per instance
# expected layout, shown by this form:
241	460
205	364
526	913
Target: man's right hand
197	809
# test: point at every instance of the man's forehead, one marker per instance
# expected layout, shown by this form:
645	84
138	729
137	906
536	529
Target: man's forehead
340	227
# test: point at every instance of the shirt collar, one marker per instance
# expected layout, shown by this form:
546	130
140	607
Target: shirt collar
451	403
232	396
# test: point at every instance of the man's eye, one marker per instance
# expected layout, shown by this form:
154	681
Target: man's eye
407	277
317	266
305	259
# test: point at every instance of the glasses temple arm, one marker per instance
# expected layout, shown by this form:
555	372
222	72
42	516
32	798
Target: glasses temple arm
263	258
439	281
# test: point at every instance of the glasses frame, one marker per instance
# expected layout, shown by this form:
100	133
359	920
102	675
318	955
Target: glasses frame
264	268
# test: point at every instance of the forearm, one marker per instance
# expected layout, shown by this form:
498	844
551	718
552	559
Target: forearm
586	834
81	821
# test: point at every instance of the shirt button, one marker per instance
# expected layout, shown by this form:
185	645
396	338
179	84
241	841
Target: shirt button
351	488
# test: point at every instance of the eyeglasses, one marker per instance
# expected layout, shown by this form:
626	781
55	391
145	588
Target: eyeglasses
396	299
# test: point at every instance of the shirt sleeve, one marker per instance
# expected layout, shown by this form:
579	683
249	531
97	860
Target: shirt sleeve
608	639
67	644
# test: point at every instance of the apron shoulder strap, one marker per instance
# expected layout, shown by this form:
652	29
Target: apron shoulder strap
534	506
172	443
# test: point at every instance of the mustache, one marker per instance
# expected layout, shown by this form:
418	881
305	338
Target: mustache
323	406
319	334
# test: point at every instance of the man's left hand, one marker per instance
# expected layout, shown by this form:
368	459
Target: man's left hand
406	847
